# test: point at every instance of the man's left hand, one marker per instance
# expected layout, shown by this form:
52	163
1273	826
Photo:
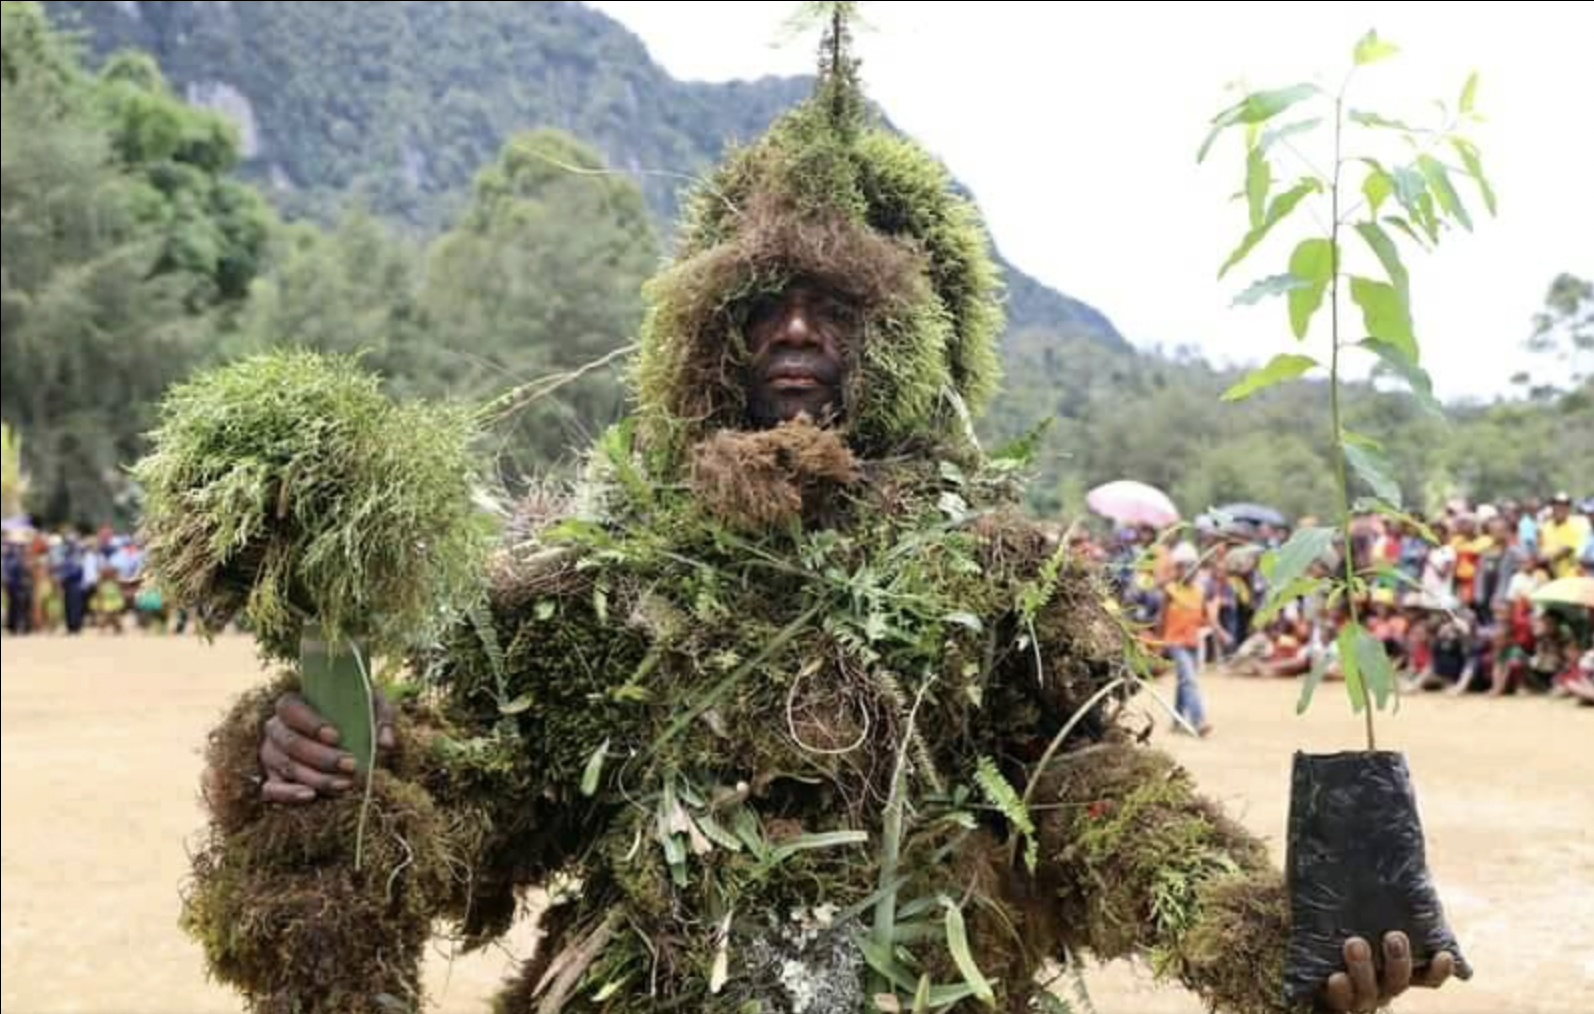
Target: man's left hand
1359	989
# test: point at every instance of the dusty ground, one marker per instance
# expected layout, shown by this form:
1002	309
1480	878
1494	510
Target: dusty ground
100	765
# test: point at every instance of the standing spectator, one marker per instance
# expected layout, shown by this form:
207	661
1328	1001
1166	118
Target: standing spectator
1439	570
17	573
1505	560
1528	526
1236	596
42	583
128	562
69	575
1184	614
1562	537
1469	548
1413	552
1586	557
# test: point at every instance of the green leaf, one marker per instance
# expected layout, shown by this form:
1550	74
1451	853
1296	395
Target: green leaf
1313	259
1370	49
1279	369
1438	177
1474	166
1272	285
1469	94
1415	376
1406	230
880	958
1374	120
1411	190
1278	135
1258	178
1001	794
716	832
1384	249
957	941
1277	210
1377	188
515	706
1255	108
808	842
1313	678
1385	314
1427	217
594	769
1374	471
1261	106
1051	1003
1278	598
1022	449
1287	564
1376	671
1349	665
1360	440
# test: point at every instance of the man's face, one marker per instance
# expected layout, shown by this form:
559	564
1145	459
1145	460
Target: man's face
1560	512
796	340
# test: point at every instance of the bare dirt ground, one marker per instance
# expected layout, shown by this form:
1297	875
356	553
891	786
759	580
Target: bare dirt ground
100	765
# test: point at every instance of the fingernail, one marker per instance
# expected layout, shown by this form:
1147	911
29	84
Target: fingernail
1359	951
342	785
347	764
328	735
1397	948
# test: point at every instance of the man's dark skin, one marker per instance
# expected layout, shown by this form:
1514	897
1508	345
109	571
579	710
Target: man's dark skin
797	367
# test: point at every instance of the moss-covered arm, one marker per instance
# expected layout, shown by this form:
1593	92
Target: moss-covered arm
1141	865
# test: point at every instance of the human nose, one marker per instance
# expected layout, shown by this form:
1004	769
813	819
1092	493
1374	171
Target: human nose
797	329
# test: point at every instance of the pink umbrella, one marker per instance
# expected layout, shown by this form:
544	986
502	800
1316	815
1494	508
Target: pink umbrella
1133	503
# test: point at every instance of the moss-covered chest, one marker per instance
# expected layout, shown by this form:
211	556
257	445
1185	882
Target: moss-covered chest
754	733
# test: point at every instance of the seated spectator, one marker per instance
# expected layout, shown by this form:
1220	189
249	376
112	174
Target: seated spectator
1451	662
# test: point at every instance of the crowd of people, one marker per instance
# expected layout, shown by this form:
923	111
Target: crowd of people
67	582
1452	598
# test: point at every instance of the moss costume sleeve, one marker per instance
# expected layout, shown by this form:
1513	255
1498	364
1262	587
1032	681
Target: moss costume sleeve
1142	865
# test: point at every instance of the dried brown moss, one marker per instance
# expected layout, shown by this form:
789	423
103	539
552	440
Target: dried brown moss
286	919
765	479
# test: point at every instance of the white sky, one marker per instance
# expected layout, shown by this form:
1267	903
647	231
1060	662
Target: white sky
1076	126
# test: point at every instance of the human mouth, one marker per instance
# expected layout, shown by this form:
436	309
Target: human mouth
795	382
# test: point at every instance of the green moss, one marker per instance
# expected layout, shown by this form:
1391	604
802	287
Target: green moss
287	487
880	202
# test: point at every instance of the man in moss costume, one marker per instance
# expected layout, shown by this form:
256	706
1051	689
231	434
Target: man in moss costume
788	706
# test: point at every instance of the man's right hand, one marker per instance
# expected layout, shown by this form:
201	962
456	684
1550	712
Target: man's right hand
299	752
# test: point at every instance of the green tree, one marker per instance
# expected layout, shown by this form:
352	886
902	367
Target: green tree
1563	335
542	275
123	244
213	228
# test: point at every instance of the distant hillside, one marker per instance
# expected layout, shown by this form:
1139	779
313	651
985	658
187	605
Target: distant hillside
398	104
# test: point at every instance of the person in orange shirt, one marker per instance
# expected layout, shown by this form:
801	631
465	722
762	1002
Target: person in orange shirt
1184	615
1470	548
